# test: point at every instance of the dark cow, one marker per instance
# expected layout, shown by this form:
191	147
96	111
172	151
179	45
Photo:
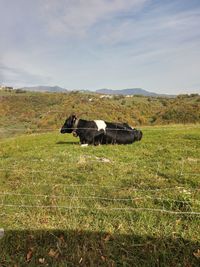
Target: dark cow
100	132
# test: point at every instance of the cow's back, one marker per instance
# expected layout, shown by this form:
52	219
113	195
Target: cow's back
118	133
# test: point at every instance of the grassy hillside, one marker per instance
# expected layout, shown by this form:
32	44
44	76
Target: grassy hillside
65	205
27	112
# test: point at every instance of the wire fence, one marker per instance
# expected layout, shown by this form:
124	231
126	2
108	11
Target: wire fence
180	189
107	199
53	129
128	209
96	197
92	185
56	128
55	170
125	129
130	187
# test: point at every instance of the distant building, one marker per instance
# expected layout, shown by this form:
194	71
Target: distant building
106	96
129	95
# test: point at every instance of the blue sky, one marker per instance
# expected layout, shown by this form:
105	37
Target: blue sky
92	44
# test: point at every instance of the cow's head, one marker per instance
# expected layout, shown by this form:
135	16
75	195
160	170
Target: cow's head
69	124
137	134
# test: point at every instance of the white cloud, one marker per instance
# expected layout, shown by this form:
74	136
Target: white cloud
75	18
163	28
20	77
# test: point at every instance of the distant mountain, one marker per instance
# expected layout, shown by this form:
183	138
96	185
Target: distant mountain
44	89
130	91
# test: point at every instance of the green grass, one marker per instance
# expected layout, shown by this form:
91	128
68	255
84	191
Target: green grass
95	197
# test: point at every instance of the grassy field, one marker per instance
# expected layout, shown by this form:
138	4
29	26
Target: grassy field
134	205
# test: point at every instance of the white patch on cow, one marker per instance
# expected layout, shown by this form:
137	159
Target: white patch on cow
101	125
84	145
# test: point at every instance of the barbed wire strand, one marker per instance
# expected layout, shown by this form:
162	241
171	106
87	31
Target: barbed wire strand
145	127
82	128
102	209
96	197
44	171
58	129
184	189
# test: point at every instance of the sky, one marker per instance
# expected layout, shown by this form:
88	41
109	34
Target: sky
94	44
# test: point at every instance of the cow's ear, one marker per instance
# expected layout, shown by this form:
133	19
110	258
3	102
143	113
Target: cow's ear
74	117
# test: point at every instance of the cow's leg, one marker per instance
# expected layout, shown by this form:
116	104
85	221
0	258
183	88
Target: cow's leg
98	139
90	139
82	141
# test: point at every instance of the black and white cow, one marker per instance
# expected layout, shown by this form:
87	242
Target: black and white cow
100	132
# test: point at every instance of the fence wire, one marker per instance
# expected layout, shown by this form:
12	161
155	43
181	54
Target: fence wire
102	209
126	209
58	129
97	197
53	172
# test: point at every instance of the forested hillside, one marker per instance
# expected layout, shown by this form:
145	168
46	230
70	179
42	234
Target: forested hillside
31	112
